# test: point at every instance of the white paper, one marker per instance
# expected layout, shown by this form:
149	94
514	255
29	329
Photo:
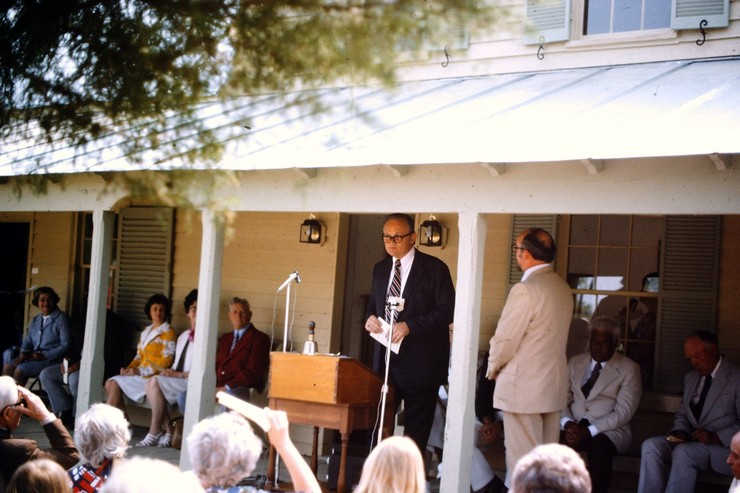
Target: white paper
382	337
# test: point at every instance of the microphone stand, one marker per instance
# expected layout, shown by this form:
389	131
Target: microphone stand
394	304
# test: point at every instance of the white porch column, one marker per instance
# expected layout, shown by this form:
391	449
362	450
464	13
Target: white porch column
458	444
90	389
202	382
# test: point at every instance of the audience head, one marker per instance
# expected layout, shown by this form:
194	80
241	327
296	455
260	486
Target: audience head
394	466
40	476
9	397
734	458
550	468
102	433
702	350
603	338
144	475
223	450
158	299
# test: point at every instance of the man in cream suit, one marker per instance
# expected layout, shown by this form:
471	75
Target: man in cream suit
527	355
705	423
596	419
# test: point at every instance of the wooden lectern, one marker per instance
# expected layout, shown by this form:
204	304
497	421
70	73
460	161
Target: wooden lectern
326	391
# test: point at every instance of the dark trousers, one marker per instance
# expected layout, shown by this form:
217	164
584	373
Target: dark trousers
418	412
600	452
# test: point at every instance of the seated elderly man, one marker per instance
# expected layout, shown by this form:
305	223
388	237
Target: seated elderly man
15	402
734	461
705	423
603	394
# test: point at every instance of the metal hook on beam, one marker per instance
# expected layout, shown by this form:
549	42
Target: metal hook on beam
703	32
541	49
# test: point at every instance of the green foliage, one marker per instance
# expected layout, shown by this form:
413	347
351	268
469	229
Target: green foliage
134	71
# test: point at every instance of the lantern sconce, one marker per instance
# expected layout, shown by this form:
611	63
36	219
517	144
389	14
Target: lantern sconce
311	231
432	233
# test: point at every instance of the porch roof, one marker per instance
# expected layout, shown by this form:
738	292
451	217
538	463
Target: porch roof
674	108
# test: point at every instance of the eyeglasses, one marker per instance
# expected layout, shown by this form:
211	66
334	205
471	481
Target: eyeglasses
395	238
514	248
21	402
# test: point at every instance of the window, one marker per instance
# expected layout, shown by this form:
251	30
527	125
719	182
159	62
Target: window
616	16
613	269
657	275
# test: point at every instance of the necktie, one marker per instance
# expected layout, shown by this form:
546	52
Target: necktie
697	408
234	341
395	289
586	389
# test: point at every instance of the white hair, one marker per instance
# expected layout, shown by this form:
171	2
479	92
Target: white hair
145	475
223	450
102	433
8	392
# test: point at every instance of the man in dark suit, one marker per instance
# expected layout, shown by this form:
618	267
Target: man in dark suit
15	402
243	356
422	326
705	423
597	417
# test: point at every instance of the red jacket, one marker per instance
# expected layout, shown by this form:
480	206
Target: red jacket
247	364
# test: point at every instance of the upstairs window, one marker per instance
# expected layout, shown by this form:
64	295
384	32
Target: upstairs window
616	16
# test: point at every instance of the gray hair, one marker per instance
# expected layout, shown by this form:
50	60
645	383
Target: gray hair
145	475
551	468
223	450
102	433
609	324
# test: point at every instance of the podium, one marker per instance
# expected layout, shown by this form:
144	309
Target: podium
326	391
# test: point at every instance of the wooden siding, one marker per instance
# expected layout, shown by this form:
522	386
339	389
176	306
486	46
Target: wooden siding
728	303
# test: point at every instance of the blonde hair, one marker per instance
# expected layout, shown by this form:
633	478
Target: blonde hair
394	466
40	476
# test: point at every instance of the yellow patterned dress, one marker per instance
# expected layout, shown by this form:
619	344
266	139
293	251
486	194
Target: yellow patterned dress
154	353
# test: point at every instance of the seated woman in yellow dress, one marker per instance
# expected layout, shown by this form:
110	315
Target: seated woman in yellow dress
155	352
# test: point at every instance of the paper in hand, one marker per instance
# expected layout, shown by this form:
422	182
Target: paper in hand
250	411
382	337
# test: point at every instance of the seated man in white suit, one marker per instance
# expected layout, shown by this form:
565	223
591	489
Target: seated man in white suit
603	395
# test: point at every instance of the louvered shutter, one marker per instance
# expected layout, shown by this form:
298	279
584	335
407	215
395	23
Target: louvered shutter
547	19
688	14
452	35
144	259
520	223
688	292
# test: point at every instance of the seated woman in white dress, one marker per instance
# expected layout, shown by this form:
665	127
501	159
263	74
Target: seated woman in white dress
163	389
155	352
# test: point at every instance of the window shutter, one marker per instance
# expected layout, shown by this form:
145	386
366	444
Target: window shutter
688	14
519	224
144	259
454	36
688	292
547	19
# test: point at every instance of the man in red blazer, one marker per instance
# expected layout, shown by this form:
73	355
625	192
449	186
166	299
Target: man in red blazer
243	356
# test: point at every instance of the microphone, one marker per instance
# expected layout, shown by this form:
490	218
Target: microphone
293	277
310	347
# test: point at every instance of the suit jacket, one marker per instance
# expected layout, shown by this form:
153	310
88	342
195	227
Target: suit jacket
428	311
247	364
721	411
17	451
527	355
612	401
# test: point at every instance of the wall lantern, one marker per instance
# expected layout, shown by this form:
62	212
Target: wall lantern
431	233
311	230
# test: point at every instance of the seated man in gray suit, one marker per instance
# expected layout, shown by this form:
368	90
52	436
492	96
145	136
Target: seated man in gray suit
704	425
603	395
